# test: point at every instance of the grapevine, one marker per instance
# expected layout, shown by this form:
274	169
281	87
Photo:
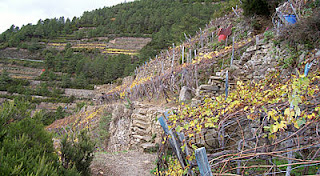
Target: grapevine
266	102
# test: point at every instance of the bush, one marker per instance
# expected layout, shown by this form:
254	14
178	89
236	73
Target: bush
77	153
104	124
25	147
306	31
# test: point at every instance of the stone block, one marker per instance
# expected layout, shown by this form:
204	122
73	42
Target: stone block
140	124
208	87
185	94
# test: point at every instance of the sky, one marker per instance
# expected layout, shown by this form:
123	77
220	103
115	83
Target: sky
22	12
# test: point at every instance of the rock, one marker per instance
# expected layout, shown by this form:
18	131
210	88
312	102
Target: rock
267	46
195	102
138	131
138	116
140	124
251	48
233	68
142	111
218	74
216	78
211	139
236	62
198	93
250	76
185	94
246	56
262	52
130	128
149	147
145	138
318	54
301	57
208	87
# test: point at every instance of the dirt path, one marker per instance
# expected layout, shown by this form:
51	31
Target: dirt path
131	163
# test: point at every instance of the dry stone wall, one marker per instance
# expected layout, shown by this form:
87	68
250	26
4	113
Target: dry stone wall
18	53
134	128
79	93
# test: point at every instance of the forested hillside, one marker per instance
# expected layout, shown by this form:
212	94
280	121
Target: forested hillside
57	40
165	21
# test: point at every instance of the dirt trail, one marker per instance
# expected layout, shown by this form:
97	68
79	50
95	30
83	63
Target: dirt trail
131	163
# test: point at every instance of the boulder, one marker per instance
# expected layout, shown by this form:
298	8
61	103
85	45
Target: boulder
185	94
318	53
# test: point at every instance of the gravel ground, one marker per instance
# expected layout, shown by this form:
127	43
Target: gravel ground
131	163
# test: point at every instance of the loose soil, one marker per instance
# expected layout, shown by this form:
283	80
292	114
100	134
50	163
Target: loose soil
131	163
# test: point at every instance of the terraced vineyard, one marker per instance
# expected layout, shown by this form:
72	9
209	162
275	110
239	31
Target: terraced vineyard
121	45
21	72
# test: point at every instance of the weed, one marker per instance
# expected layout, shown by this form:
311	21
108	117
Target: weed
129	105
268	35
80	106
104	126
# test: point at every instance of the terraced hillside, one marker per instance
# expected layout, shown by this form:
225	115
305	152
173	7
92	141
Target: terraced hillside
251	101
119	45
262	82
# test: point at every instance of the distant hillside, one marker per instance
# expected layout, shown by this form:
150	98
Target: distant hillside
164	21
86	49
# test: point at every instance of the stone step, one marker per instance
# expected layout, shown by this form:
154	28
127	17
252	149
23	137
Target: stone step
145	138
139	131
139	117
216	78
209	87
148	146
140	124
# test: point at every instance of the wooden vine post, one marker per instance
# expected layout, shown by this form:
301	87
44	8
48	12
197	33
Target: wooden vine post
190	56
201	38
290	142
172	56
227	77
232	56
172	140
196	76
182	54
202	161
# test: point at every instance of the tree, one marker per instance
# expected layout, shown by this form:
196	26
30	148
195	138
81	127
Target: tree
49	60
80	81
5	78
66	81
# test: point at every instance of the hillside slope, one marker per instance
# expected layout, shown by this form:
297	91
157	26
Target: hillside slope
273	105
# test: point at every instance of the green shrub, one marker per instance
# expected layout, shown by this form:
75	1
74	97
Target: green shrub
104	124
25	146
268	35
305	31
77	153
